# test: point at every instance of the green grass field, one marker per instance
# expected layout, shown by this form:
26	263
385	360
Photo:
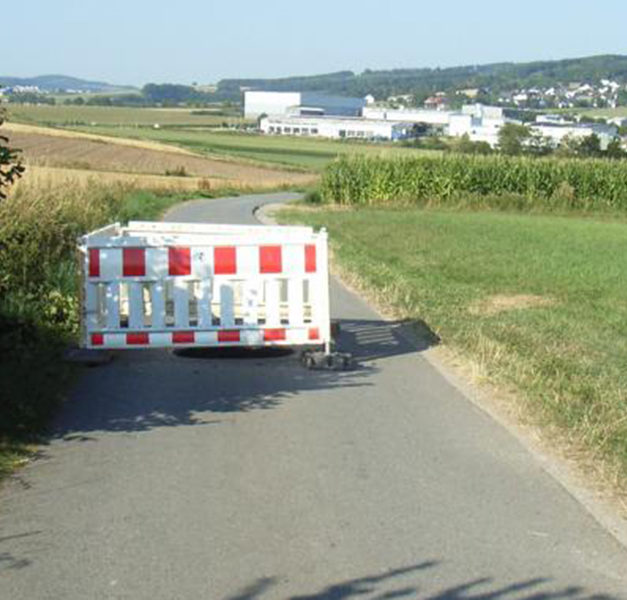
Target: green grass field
73	116
538	301
608	113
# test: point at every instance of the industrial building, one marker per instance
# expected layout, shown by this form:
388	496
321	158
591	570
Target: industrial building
408	115
257	103
480	123
336	127
557	132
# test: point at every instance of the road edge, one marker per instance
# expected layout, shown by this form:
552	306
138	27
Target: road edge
560	469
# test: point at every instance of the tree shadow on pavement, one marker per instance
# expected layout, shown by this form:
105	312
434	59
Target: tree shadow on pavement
144	389
402	583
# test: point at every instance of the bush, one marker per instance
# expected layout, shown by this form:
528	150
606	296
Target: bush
39	224
313	197
176	172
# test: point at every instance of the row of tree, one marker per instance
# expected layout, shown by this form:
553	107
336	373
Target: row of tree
497	78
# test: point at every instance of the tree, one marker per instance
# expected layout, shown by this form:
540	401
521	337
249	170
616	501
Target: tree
590	146
539	145
512	138
10	166
615	150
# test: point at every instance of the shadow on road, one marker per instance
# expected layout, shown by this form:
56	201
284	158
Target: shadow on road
372	339
406	582
144	389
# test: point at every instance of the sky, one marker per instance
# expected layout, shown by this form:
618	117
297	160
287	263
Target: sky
139	41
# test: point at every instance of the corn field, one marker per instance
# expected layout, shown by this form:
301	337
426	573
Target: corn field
490	181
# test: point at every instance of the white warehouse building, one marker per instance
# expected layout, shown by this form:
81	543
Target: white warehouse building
557	132
257	103
408	115
336	127
480	123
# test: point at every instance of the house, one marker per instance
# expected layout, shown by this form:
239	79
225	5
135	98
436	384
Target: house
437	102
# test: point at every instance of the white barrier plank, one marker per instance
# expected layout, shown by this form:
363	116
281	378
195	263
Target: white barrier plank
227	309
92	307
113	305
251	301
156	263
136	306
157	300
273	297
204	304
110	264
295	301
181	304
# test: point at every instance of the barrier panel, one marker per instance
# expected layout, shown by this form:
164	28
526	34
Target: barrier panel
152	284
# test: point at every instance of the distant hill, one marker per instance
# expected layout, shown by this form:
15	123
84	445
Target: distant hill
497	77
60	83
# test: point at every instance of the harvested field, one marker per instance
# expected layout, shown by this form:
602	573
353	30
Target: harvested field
15	129
75	177
84	153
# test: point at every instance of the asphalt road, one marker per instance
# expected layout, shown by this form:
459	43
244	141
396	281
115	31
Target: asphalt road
172	477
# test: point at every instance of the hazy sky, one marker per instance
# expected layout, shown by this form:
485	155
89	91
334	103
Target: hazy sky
138	41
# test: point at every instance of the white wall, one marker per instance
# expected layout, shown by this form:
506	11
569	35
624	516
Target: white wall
557	133
433	117
477	129
333	128
278	103
270	103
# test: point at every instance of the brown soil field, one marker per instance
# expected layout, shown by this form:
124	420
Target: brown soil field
14	129
93	153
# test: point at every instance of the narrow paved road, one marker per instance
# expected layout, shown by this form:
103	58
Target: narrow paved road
172	477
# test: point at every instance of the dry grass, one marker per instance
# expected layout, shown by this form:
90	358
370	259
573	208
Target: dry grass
41	148
498	303
79	177
15	129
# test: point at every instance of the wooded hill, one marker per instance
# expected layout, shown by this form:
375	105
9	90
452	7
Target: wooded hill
496	77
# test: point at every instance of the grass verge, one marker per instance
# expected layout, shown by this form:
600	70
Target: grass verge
538	301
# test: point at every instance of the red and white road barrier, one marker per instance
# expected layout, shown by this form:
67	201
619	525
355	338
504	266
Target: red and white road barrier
181	284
